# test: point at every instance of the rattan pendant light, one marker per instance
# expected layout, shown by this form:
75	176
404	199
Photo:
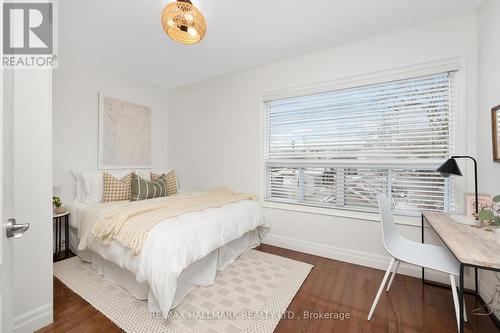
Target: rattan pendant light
183	22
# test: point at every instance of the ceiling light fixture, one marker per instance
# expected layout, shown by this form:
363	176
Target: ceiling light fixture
183	22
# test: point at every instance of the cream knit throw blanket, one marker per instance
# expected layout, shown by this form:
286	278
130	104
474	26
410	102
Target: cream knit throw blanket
129	225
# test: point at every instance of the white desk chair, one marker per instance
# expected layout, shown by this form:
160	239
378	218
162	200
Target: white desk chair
424	255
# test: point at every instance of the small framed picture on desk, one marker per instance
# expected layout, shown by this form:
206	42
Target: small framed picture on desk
484	201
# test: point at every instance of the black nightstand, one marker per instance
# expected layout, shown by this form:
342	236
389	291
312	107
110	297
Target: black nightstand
59	220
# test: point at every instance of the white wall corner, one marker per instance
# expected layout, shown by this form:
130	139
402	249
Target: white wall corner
358	258
34	319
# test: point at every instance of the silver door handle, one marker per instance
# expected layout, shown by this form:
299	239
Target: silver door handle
15	230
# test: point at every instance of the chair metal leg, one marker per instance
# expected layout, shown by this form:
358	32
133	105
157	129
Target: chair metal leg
393	275
381	288
465	311
461	297
455	299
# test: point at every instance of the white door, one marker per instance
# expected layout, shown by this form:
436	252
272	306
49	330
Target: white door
10	230
6	199
25	194
25	264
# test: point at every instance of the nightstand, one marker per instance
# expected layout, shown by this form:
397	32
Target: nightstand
59	220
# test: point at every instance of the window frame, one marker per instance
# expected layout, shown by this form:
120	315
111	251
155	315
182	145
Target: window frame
457	64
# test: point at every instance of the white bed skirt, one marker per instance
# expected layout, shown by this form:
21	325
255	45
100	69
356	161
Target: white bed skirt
200	273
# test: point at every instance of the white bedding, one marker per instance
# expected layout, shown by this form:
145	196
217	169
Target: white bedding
77	209
175	243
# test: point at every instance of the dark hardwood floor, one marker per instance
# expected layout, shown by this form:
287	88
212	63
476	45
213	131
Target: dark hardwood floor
332	287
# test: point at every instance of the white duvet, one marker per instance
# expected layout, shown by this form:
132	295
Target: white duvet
175	243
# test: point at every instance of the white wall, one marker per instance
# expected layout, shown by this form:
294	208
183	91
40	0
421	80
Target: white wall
488	91
488	30
75	119
214	128
32	165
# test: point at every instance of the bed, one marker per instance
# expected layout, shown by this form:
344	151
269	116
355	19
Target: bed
178	254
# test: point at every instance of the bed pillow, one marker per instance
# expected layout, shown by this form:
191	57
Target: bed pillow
170	178
142	189
93	183
80	194
115	189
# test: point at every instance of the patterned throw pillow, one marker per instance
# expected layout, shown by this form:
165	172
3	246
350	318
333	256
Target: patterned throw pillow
116	189
142	189
170	178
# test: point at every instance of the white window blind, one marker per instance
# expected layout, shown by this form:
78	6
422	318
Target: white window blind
339	148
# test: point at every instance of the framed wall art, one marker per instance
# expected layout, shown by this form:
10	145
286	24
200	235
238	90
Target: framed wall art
124	133
495	124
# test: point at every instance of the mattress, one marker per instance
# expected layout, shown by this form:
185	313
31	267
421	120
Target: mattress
179	253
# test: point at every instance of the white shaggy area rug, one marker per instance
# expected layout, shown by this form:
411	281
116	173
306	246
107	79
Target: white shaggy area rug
250	295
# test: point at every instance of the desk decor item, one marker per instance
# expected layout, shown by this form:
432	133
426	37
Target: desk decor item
490	216
57	203
495	124
450	167
484	201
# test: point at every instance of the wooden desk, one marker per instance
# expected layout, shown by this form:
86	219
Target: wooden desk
472	246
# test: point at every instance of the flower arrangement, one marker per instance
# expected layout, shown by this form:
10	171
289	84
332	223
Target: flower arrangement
58	208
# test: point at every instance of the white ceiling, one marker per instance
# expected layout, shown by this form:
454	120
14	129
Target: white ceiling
126	36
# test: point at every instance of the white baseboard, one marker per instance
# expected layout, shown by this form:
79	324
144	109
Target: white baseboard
355	257
34	319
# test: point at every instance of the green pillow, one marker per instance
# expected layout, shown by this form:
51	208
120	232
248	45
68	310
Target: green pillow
143	189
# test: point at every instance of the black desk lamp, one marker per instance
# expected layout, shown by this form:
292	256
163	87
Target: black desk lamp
450	167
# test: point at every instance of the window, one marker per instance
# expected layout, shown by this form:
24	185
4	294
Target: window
339	148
